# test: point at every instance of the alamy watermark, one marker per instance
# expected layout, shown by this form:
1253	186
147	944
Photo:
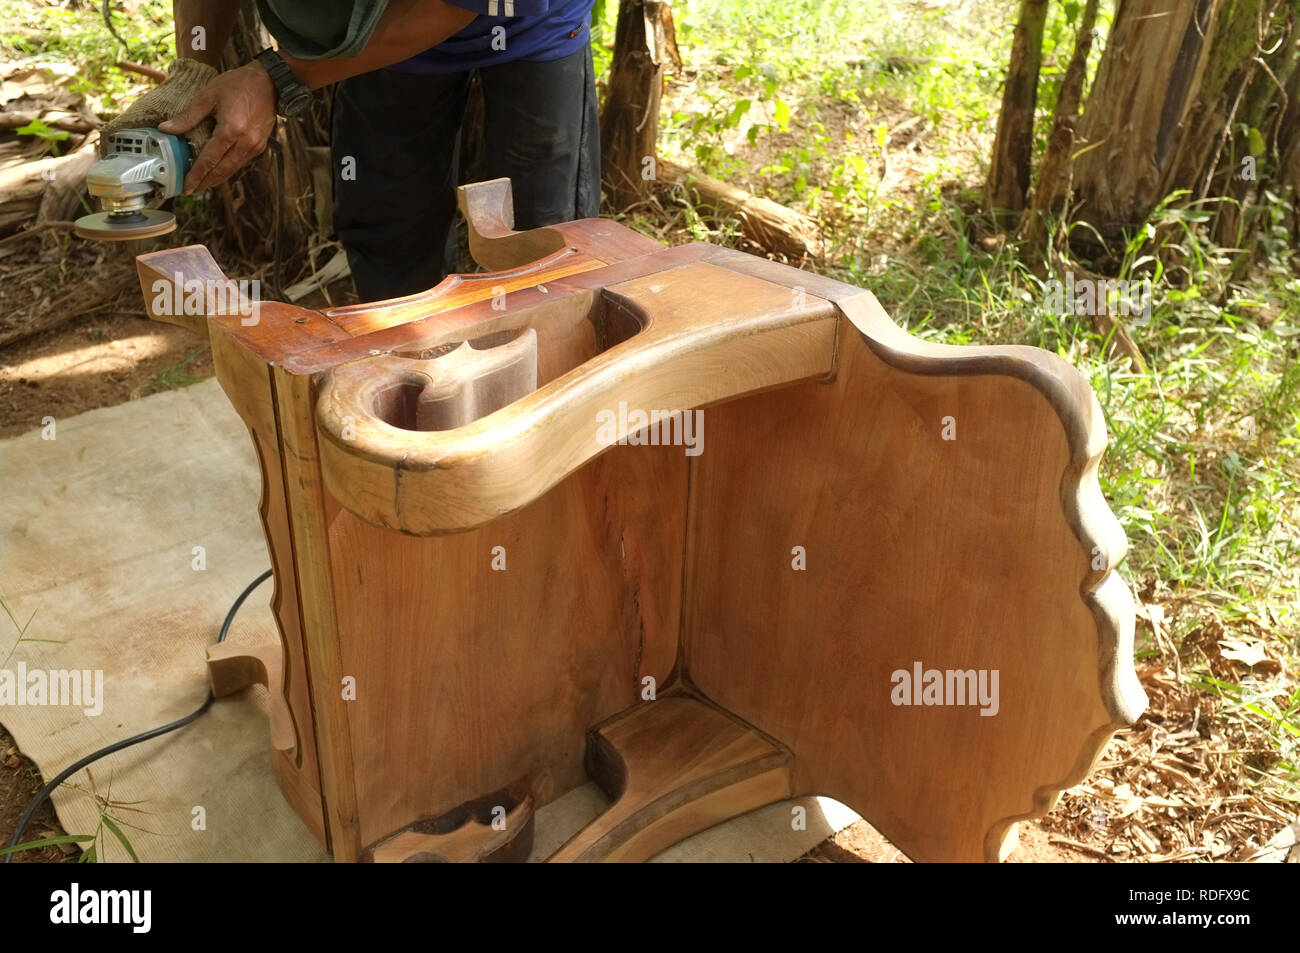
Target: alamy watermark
55	687
209	297
946	687
1115	297
654	428
75	905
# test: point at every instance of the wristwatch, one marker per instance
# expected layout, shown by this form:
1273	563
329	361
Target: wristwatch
292	97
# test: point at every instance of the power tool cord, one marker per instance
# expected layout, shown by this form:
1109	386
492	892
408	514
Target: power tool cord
278	149
94	756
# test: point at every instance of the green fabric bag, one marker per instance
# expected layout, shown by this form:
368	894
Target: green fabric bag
321	29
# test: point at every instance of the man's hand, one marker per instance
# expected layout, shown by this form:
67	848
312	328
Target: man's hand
185	80
242	101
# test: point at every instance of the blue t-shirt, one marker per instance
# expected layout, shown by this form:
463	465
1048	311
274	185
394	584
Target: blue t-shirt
508	30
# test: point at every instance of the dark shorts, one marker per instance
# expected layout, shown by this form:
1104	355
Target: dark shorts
401	133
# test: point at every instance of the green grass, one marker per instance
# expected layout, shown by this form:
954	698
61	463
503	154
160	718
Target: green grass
876	119
781	92
797	101
38	33
176	376
21	629
108	824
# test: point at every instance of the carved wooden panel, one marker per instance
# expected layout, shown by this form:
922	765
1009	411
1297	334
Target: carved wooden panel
710	530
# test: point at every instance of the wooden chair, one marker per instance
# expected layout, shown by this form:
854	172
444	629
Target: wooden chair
492	584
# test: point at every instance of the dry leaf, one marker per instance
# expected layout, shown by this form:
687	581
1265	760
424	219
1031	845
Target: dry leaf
1248	653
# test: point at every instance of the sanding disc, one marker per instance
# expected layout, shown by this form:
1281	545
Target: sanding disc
146	223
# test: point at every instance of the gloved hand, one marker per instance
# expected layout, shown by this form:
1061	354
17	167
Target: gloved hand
173	96
243	103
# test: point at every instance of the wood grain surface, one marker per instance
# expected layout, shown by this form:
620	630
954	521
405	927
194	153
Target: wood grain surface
478	591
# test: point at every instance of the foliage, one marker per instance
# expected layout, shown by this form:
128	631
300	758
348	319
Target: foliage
39	129
174	377
108	825
809	104
40	32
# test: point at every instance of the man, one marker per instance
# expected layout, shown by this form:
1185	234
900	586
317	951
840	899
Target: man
402	69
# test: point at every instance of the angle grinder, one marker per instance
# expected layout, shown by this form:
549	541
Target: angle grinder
143	168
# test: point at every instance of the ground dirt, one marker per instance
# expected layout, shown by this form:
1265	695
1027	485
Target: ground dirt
95	362
19	783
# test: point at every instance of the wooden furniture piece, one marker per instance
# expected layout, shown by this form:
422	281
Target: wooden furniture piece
491	584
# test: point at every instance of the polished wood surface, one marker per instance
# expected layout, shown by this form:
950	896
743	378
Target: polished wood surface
652	343
488	579
672	768
489	829
988	552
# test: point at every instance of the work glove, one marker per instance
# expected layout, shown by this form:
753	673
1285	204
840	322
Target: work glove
173	96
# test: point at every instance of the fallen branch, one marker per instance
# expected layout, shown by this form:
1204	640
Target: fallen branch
35	229
156	75
773	227
45	189
14	119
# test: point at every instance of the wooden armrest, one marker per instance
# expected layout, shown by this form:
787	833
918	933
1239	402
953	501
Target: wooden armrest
657	345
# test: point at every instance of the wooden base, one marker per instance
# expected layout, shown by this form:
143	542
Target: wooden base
232	668
491	829
673	767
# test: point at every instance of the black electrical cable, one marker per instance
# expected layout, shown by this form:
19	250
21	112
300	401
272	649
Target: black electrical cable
278	158
94	756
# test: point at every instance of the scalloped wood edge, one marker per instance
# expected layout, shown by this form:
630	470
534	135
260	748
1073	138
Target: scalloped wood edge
803	345
1098	530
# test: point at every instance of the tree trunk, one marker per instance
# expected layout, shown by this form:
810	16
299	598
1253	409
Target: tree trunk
1054	175
1146	83
644	42
1288	146
1259	104
1013	147
1178	91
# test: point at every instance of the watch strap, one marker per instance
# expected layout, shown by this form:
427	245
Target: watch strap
292	97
